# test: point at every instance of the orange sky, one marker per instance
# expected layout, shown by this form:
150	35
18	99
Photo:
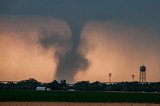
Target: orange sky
114	47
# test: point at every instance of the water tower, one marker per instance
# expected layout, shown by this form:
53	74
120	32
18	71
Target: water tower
142	77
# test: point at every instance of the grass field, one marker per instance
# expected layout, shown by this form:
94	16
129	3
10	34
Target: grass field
66	96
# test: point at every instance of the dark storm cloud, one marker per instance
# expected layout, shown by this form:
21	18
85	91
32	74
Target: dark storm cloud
84	10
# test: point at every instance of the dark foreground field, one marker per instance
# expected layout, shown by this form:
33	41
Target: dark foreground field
66	96
73	104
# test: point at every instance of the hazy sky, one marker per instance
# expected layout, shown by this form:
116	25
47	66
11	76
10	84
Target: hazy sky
114	36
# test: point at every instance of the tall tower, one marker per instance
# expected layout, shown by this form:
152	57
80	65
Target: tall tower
142	77
133	78
110	75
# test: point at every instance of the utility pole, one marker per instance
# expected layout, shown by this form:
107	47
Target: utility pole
133	78
110	75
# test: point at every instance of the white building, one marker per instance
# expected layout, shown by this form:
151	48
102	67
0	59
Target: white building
41	88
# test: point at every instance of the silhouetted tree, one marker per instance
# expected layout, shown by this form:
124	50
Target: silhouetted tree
64	85
29	84
54	85
2	85
95	86
82	86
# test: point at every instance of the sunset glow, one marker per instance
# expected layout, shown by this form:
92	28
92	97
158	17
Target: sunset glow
115	48
79	40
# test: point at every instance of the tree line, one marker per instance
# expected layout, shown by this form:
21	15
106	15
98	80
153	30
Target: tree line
32	84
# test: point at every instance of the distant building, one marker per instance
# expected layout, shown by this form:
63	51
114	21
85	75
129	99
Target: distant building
48	89
71	87
41	88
